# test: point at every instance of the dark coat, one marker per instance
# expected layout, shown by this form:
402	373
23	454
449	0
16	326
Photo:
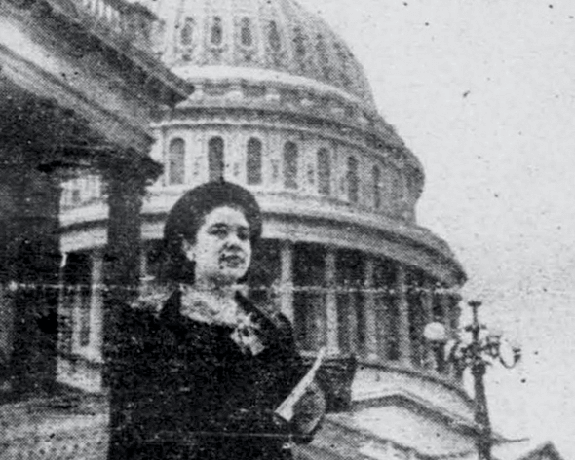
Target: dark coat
183	389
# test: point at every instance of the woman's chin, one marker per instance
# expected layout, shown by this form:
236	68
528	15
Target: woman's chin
230	277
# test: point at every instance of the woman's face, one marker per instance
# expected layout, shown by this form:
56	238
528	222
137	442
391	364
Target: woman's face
222	250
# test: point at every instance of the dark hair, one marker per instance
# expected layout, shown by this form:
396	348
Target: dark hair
188	215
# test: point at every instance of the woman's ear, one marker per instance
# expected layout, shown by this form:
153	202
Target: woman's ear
189	250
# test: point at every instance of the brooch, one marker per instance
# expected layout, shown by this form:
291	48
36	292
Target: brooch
246	335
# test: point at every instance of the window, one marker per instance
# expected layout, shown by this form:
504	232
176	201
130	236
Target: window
274	36
246	33
254	163
216	158
396	185
216	31
299	42
177	159
290	165
76	197
187	32
376	185
322	53
344	66
323	172
352	180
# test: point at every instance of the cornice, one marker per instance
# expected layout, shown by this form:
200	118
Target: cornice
30	77
285	209
76	25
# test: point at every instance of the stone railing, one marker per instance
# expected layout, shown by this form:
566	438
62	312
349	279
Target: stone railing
120	33
54	429
119	19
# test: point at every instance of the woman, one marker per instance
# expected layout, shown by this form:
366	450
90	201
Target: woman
201	379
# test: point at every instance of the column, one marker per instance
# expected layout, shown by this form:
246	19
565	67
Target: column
445	312
453	310
331	303
456	310
76	316
286	287
428	289
33	262
126	177
143	261
448	303
96	305
352	319
370	313
383	309
65	323
6	337
404	340
144	280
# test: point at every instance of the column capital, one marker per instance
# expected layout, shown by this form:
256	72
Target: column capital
130	168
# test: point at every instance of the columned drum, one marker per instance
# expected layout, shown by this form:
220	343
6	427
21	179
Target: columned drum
282	108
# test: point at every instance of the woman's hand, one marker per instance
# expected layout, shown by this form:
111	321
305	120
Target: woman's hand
309	411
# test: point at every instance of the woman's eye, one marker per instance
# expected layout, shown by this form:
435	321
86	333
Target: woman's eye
219	231
243	235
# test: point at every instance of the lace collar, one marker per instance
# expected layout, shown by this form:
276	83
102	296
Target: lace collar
246	330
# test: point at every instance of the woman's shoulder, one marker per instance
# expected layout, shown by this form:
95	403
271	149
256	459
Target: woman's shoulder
270	314
141	316
152	298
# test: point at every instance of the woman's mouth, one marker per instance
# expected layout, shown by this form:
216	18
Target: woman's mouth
232	260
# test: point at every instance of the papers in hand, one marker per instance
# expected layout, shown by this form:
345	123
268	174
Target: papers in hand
286	409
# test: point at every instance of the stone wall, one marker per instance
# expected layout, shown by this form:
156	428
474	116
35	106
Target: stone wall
55	429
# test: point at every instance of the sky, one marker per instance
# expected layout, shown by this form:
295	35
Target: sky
483	92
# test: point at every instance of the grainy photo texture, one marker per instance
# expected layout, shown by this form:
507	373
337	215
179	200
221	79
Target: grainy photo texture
209	246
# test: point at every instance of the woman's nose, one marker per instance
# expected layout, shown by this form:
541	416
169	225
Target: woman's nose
233	239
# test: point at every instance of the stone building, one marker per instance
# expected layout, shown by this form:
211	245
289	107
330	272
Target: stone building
261	93
282	107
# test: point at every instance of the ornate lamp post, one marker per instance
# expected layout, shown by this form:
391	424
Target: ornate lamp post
474	349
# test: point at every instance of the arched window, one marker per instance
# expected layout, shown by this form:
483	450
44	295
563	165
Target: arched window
216	31
299	42
343	64
246	32
274	36
323	172
376	186
352	180
216	158
176	167
254	163
322	53
187	32
290	165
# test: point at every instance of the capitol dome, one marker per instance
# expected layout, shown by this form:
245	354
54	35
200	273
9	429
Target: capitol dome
256	40
281	107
